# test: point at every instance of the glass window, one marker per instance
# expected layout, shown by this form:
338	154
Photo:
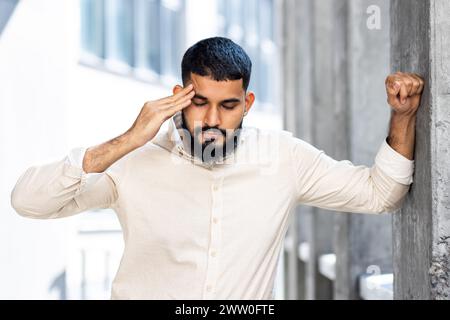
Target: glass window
172	24
119	31
250	23
92	27
128	34
267	49
235	20
147	14
266	19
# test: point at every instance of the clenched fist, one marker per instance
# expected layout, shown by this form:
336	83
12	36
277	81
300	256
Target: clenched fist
404	91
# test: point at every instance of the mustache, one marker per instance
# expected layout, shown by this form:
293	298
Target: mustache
206	128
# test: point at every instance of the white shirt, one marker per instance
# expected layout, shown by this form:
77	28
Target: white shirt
196	231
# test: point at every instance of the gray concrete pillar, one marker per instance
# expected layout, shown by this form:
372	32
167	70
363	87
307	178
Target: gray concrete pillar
297	73
420	42
288	56
326	127
363	242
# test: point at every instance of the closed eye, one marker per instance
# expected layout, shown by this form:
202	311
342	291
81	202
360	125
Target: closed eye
200	104
228	107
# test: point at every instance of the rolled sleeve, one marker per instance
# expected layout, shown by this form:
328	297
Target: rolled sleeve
76	156
61	188
395	165
75	159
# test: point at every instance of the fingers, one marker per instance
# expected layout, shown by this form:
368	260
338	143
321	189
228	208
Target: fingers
393	87
183	92
400	86
419	83
170	100
183	102
179	106
404	91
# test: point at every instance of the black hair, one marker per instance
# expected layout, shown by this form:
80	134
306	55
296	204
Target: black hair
219	58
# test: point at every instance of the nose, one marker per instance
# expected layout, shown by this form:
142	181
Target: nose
212	117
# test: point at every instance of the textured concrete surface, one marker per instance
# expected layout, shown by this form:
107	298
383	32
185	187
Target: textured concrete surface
291	263
420	42
325	127
297	119
309	115
334	72
363	242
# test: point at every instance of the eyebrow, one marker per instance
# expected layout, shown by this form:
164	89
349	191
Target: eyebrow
231	100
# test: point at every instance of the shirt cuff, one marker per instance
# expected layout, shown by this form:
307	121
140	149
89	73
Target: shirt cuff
75	158
395	165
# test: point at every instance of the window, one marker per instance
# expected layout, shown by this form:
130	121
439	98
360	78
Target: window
125	36
250	23
148	42
172	49
92	28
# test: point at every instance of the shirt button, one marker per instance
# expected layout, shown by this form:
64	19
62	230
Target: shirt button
213	253
215	220
208	288
215	188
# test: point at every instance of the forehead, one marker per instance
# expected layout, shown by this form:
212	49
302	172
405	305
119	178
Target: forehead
217	90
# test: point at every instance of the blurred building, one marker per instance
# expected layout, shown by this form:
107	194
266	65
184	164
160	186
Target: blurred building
76	73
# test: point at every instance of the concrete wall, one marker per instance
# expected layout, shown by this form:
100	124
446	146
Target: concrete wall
334	72
420	39
363	242
336	63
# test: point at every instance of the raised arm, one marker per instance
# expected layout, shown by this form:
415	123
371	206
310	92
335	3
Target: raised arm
341	186
404	91
87	179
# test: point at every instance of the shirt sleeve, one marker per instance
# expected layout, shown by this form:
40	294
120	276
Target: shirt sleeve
324	182
62	189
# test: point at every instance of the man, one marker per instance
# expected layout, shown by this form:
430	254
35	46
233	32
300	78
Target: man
205	205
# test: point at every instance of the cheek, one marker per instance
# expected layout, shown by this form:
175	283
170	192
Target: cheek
231	119
193	115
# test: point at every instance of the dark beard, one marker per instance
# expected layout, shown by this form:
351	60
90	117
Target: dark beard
209	151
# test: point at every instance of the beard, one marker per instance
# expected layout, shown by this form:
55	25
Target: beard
211	150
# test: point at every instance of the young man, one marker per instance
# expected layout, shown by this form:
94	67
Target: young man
205	205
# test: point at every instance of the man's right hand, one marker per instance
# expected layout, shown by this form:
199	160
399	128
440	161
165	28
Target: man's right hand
153	114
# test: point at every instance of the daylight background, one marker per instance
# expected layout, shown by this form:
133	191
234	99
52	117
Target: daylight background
77	72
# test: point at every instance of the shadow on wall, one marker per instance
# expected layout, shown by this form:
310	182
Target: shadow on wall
59	284
6	9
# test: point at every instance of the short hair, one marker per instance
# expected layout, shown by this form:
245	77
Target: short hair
217	57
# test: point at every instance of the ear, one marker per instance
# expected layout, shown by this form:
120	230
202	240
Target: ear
249	100
177	89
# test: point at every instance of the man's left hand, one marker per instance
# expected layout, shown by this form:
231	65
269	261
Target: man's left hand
404	91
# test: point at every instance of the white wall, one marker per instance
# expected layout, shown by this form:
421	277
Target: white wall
33	102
